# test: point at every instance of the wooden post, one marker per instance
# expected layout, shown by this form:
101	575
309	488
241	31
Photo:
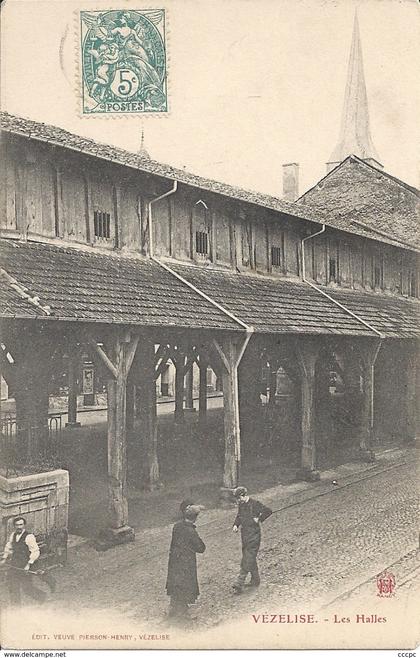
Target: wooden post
189	382
117	471
368	351
228	354
307	354
231	470
202	395
119	364
130	397
179	363
146	374
73	388
410	396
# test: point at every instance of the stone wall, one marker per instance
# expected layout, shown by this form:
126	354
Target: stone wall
42	498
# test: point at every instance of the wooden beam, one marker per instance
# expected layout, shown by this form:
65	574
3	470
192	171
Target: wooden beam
410	401
368	350
90	228
191	357
72	387
131	351
124	350
104	358
179	388
160	353
232	460
307	351
221	354
189	394
202	395
130	402
116	202
149	469
161	368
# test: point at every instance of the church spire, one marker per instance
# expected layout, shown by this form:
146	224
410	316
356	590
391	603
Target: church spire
143	152
355	135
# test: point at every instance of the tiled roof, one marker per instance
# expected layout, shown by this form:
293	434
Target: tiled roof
13	305
394	317
60	137
79	285
76	284
281	306
273	305
356	193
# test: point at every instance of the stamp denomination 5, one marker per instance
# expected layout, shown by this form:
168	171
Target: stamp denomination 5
123	61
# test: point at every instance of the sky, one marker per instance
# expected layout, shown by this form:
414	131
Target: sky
252	84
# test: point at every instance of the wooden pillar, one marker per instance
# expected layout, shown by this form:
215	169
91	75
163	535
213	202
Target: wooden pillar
179	363
149	472
368	350
410	396
130	398
72	388
189	398
202	395
228	353
352	390
307	353
118	365
117	459
232	462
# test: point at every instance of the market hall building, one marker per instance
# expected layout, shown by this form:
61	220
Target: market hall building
139	260
142	263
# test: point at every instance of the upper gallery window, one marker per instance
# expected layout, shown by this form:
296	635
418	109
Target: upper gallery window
333	270
277	251
276	256
102	224
412	284
378	271
202	242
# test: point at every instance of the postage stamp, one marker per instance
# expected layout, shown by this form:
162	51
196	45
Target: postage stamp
123	61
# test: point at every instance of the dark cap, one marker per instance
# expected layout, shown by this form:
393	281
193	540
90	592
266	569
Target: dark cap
240	491
192	512
185	504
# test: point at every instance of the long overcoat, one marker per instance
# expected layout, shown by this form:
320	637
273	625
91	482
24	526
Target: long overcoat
250	530
182	580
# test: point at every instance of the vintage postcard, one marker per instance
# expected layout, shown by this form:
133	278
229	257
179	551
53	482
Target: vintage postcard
209	303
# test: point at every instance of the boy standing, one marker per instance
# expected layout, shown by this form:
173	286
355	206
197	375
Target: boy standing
251	513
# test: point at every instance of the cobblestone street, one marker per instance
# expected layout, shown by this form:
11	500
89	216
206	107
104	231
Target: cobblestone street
330	540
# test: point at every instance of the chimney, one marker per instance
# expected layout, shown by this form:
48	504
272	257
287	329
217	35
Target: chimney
290	181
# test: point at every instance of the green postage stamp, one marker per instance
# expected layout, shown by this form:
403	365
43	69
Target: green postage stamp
123	57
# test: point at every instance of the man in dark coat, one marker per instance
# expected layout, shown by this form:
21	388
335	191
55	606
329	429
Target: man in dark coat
251	513
182	583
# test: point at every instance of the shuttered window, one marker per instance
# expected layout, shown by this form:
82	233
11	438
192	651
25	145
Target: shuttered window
378	271
276	256
333	270
202	243
412	284
102	224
